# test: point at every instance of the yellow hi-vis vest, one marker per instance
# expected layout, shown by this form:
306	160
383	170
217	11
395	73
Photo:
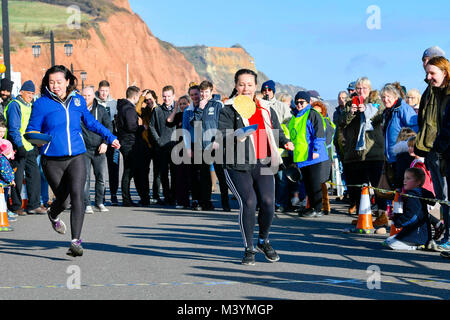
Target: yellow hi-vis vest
26	113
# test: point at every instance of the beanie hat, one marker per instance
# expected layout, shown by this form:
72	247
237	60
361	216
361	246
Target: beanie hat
6	148
433	52
303	95
28	86
6	84
268	84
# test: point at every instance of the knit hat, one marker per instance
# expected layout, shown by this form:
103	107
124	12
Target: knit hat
433	52
268	84
303	95
6	85
28	86
6	148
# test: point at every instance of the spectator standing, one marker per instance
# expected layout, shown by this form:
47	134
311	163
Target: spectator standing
413	99
127	128
17	115
307	132
436	139
103	98
95	155
6	86
363	142
161	140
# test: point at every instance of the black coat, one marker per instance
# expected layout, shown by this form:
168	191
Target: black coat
161	133
93	140
127	122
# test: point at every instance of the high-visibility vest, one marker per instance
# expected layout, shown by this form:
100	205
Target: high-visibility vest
26	113
297	133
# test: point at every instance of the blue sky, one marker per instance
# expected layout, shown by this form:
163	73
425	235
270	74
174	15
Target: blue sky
321	45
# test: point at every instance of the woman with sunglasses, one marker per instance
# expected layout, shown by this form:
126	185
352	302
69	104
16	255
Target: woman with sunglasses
250	162
306	130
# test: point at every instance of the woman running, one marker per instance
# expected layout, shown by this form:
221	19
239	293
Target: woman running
249	173
59	113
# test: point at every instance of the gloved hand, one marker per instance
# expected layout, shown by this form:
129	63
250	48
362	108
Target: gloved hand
21	152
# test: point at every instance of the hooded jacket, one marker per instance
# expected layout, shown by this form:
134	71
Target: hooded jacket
62	121
349	127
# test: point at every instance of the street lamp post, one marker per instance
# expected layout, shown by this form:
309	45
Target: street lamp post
68	48
6	44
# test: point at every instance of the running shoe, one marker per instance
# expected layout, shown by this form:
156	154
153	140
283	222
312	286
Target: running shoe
89	210
58	225
444	247
249	257
101	208
268	251
75	250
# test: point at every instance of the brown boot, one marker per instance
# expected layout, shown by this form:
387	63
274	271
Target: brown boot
352	209
382	220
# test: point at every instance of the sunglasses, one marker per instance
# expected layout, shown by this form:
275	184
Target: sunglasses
301	102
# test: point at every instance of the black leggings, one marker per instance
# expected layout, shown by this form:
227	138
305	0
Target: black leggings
67	177
251	188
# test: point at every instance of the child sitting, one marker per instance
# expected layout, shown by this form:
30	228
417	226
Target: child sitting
414	219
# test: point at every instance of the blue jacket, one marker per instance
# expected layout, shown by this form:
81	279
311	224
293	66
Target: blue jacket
6	171
14	116
403	116
315	136
209	118
62	121
414	219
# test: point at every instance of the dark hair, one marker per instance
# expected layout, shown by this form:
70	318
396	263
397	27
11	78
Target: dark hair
153	93
132	91
2	123
233	93
73	81
205	85
245	71
103	83
418	174
168	88
194	87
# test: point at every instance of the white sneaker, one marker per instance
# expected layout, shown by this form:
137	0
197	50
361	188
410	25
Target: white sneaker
295	201
102	208
89	210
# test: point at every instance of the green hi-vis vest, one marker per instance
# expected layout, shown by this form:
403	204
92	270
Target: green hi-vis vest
26	113
297	134
283	152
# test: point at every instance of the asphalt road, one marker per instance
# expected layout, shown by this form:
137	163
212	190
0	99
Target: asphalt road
161	253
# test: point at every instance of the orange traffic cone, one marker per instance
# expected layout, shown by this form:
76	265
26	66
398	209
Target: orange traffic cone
397	208
4	223
364	224
24	195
